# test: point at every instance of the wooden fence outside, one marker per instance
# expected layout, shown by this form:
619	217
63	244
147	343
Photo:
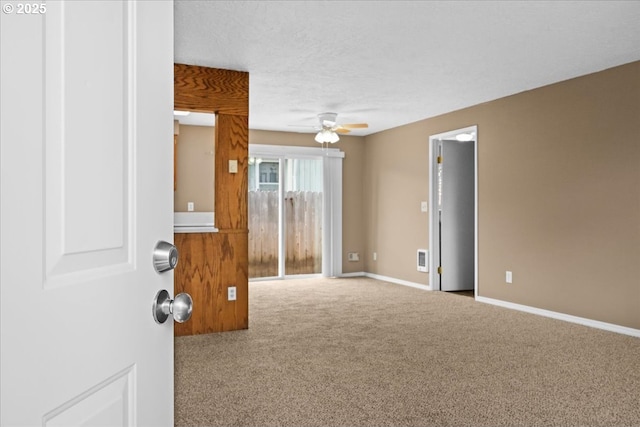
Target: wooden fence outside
303	233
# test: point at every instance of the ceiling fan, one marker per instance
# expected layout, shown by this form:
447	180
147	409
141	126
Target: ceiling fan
329	128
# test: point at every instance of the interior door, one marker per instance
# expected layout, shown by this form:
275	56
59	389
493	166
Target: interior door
86	155
457	216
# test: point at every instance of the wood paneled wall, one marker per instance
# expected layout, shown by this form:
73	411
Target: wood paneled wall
211	262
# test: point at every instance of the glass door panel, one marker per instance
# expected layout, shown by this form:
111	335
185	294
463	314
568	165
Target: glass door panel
303	216
264	215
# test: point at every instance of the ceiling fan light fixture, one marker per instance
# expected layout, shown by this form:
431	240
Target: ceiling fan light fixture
333	137
329	128
327	135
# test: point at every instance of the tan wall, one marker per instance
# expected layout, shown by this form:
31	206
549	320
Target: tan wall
195	168
396	181
559	196
353	239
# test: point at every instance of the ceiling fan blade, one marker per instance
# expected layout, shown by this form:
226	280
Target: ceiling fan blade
355	125
341	130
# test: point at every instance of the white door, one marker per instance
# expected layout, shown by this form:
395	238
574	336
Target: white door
86	156
457	226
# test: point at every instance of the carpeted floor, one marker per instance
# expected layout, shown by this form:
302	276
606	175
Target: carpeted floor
360	352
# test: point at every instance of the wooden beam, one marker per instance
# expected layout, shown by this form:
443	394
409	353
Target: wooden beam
210	90
232	143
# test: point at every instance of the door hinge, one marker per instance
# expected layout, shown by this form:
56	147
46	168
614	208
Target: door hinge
439	159
440	270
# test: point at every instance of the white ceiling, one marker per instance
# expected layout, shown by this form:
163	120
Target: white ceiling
389	63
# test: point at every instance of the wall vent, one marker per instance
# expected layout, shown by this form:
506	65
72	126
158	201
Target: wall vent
423	263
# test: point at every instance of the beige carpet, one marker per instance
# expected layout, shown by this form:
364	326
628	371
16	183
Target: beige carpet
360	352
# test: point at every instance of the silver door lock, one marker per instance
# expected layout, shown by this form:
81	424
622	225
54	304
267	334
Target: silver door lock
165	256
180	308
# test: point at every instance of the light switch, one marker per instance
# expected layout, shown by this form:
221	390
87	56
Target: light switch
233	166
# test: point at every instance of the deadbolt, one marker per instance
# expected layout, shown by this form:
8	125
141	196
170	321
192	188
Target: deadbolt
165	256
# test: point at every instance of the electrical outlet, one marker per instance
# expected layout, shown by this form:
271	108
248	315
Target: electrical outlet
231	293
509	277
424	206
375	256
190	206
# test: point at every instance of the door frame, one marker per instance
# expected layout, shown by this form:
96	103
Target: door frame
434	237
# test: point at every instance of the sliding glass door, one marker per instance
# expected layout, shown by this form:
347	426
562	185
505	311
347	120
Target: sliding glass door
285	216
294	211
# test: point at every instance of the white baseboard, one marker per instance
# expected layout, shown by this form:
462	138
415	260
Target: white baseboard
398	281
561	316
356	274
519	307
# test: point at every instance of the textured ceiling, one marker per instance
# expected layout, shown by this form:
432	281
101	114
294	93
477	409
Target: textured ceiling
389	63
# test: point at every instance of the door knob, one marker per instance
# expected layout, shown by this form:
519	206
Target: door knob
180	308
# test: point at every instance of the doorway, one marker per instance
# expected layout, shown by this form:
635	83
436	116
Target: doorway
453	210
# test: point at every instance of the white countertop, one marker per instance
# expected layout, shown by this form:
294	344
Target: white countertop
194	229
193	222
